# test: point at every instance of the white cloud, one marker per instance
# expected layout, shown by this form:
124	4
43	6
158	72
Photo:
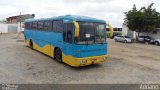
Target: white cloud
109	10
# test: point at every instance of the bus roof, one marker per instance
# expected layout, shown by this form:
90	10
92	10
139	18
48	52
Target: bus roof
69	17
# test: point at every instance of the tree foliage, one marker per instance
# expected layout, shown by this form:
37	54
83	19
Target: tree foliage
143	20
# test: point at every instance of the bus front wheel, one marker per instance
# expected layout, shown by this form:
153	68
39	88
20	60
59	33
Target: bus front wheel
58	55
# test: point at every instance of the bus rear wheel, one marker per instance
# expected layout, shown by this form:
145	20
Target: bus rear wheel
58	55
25	40
31	44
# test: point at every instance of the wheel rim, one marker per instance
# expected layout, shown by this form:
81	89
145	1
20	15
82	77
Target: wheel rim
58	55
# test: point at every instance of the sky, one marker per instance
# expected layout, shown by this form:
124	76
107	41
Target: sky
111	11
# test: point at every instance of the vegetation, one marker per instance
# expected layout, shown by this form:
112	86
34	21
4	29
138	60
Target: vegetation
143	20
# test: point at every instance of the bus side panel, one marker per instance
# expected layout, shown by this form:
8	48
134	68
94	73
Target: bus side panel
45	42
67	50
27	37
40	41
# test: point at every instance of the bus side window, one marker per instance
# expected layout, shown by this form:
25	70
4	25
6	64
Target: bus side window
64	32
40	26
48	25
54	26
58	26
34	25
28	25
45	25
64	36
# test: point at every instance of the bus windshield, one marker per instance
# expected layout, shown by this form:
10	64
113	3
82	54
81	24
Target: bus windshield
91	33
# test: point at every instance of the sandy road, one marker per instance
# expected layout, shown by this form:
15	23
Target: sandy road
128	63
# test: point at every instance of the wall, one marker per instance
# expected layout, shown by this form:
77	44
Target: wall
3	28
10	28
124	30
132	34
127	32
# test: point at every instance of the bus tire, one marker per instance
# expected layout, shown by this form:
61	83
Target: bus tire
58	54
31	44
25	40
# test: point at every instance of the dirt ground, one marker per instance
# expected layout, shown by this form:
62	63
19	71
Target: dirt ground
128	63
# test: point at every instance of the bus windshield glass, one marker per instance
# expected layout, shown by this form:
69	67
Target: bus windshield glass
91	33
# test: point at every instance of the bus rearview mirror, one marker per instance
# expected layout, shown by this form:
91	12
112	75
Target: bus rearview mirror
76	32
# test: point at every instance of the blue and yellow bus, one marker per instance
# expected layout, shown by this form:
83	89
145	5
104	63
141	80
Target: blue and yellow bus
74	40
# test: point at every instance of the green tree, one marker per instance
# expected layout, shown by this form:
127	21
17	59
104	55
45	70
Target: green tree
143	20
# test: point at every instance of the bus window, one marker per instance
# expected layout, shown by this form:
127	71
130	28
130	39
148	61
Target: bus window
28	25
67	32
40	25
58	26
34	26
54	26
48	25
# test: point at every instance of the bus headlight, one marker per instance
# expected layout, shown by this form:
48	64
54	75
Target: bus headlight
83	61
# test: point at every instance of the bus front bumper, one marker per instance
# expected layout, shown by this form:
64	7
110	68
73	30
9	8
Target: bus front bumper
76	62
